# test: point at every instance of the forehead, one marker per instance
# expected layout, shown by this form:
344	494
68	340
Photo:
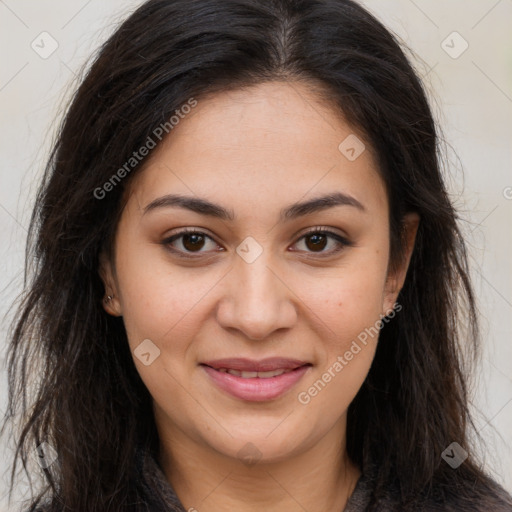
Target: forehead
274	142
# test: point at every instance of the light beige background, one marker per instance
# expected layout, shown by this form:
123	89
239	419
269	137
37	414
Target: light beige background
472	99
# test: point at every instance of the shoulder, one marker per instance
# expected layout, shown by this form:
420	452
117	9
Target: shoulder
486	496
467	496
460	494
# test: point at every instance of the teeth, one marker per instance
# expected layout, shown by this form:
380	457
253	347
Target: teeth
274	373
248	375
253	375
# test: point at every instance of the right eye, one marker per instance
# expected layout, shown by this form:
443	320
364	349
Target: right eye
187	242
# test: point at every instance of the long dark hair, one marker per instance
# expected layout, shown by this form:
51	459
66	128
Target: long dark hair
72	378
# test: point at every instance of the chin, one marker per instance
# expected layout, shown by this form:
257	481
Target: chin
262	443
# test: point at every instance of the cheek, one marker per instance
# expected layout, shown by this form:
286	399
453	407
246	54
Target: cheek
349	298
158	301
352	315
163	306
349	307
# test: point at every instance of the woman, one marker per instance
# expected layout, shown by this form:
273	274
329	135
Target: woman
248	276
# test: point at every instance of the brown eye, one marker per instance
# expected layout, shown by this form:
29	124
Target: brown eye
189	242
193	242
316	242
323	242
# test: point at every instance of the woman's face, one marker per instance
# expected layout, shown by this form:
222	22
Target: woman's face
261	177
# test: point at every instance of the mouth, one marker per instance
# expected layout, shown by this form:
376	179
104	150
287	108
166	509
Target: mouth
255	380
253	375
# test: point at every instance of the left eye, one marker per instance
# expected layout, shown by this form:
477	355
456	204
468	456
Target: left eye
191	241
317	241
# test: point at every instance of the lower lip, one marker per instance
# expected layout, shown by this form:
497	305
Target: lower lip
256	390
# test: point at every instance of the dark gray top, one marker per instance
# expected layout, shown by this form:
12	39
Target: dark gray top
157	494
449	500
157	480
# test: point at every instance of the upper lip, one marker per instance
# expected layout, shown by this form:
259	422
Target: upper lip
251	365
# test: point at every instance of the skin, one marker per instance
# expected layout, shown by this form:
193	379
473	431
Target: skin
255	152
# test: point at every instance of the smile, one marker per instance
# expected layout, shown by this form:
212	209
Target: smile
255	381
254	375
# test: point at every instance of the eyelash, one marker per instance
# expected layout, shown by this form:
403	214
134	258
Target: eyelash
320	230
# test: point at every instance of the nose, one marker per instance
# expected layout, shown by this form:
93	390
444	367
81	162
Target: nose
257	300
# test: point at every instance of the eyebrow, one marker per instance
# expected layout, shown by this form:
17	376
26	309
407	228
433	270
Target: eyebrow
205	207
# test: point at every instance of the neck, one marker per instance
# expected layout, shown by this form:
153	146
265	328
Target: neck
318	478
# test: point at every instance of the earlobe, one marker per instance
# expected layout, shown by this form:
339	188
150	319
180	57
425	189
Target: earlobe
110	301
396	277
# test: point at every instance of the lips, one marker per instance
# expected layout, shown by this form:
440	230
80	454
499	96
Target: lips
253	375
248	365
255	380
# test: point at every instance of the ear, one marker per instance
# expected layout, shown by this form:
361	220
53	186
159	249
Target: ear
396	277
110	302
